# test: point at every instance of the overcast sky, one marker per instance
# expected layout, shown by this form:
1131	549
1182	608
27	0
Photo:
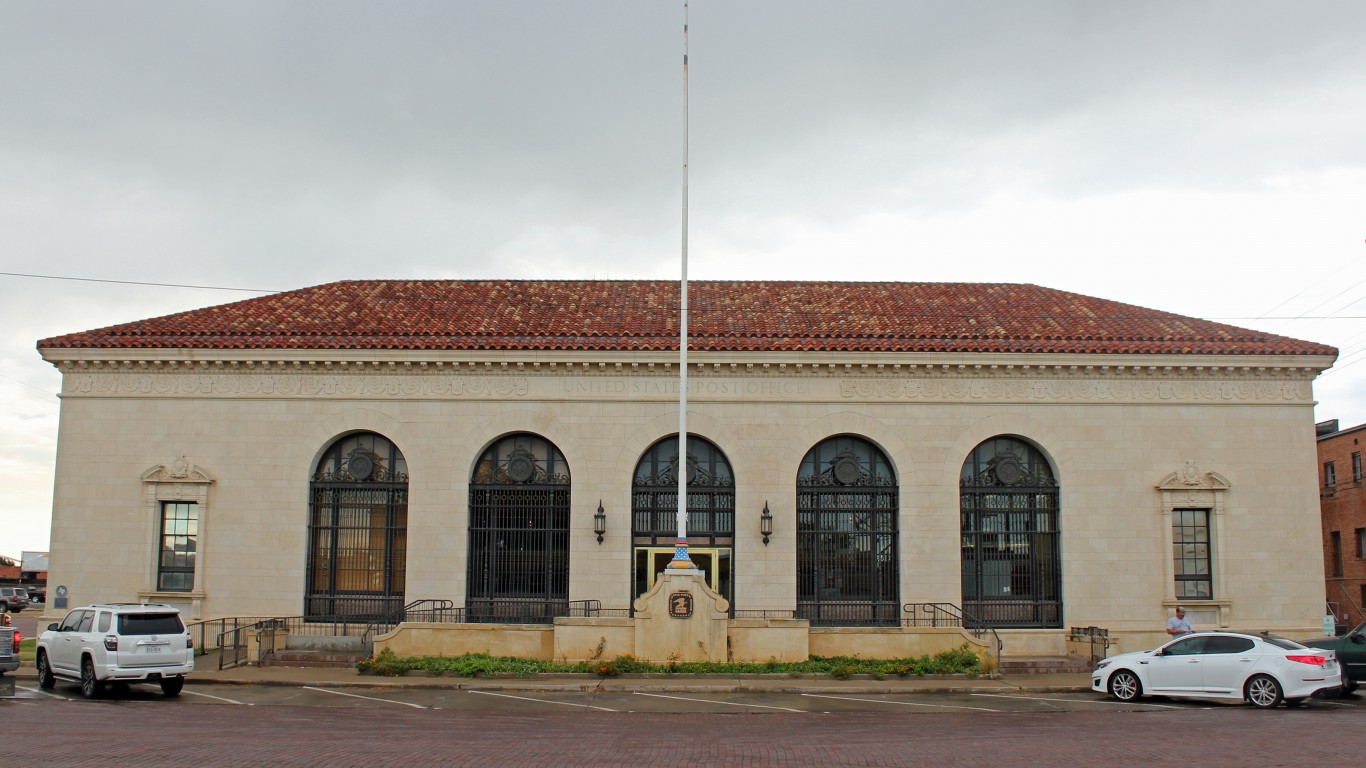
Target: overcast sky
1205	158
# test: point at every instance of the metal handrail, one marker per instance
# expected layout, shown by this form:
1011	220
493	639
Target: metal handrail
436	611
950	615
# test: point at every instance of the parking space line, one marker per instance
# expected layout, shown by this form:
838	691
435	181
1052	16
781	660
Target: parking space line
1075	701
544	701
358	696
727	703
45	693
901	703
220	698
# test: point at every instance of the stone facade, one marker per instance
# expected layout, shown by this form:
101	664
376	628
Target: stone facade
1129	437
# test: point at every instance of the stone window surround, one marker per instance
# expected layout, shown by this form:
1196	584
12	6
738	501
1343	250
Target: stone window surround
1189	488
183	482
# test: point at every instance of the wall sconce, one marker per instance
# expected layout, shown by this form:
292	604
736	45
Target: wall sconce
600	522
766	523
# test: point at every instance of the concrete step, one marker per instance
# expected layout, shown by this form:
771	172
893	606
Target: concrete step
331	659
1045	665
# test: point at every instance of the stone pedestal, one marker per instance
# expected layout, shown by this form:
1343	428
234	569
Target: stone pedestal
681	619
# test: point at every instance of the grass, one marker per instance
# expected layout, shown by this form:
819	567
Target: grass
26	649
961	660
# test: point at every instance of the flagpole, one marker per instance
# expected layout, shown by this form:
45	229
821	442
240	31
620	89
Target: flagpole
681	560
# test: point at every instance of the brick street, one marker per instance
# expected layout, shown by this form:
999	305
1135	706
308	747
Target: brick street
151	734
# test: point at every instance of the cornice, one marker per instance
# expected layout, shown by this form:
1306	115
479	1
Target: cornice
624	381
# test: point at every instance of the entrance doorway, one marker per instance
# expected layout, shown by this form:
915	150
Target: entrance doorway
714	563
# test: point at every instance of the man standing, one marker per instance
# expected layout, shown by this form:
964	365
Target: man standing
1177	626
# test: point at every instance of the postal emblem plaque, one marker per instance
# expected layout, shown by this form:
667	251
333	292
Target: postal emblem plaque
680	605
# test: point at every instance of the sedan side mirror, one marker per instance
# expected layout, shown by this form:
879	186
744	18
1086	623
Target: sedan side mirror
1357	637
52	627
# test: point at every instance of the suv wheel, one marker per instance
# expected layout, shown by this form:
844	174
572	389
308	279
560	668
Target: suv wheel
91	687
170	686
45	678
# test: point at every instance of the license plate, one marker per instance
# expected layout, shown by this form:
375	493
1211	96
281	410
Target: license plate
154	649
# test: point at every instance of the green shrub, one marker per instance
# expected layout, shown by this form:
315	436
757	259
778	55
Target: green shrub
961	660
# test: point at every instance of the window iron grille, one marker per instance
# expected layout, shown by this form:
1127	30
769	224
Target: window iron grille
358	520
847	564
519	532
1011	569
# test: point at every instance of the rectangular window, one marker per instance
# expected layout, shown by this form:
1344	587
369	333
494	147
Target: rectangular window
1361	542
1356	466
1330	474
179	538
1336	543
1191	554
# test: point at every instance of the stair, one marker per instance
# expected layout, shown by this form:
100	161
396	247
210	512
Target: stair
296	658
1045	665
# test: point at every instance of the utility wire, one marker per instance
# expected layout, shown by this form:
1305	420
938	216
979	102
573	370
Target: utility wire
137	282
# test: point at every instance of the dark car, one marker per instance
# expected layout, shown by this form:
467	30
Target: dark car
1351	651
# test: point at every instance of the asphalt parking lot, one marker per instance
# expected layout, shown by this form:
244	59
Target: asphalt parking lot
540	702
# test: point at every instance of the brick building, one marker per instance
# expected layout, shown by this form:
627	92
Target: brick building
1343	504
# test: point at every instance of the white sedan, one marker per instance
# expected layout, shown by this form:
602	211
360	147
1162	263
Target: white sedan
1259	668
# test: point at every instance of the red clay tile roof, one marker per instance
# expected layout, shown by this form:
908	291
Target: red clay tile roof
621	315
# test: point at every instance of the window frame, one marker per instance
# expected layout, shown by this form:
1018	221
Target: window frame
188	555
1192	488
177	482
1330	475
1356	466
1185	553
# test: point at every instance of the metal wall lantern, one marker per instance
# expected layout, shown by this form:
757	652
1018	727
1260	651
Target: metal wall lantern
766	523
600	522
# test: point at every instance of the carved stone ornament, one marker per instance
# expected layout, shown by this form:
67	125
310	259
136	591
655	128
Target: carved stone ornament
178	471
1190	477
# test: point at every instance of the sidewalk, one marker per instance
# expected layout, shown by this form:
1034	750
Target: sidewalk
208	673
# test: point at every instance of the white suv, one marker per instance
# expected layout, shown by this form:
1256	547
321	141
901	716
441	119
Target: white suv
118	643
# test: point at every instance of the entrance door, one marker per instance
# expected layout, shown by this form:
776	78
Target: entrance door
714	564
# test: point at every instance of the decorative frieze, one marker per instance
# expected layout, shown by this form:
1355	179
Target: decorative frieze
1004	384
1072	389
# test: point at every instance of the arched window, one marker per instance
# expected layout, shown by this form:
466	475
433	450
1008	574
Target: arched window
847	567
357	530
711	513
1012	574
519	533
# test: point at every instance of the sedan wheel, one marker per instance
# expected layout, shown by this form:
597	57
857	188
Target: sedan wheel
1124	685
91	687
1263	691
45	678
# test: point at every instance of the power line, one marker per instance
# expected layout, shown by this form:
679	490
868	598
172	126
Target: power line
137	282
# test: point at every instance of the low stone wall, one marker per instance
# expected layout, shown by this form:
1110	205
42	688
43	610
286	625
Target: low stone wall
756	640
763	639
527	641
584	639
892	642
